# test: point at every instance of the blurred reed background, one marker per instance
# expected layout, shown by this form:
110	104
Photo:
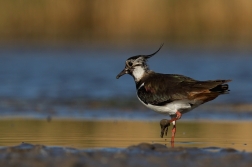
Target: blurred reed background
208	23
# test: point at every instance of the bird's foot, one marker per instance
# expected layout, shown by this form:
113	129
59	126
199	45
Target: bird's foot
164	124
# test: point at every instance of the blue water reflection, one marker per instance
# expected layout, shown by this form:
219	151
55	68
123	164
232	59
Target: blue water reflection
74	74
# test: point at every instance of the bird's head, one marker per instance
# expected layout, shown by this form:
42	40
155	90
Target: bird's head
137	66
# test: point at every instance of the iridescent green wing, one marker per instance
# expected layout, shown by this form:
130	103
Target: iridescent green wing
159	89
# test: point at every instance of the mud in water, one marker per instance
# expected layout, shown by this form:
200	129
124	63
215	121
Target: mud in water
144	154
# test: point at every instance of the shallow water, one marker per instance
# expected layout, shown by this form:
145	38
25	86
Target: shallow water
81	83
120	134
84	73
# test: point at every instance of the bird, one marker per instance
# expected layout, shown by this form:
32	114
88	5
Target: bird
171	94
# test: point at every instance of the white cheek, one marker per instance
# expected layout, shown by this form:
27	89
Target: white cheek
138	73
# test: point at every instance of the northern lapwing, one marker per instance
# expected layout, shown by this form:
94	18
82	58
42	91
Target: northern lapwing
170	94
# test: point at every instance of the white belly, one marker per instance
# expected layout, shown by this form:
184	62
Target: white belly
171	108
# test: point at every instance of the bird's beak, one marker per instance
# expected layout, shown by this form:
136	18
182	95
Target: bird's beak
124	71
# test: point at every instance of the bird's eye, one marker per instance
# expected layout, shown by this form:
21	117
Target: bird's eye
130	63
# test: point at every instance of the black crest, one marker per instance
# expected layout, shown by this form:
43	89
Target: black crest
146	56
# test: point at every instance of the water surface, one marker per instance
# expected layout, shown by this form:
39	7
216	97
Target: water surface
70	82
121	134
82	73
80	84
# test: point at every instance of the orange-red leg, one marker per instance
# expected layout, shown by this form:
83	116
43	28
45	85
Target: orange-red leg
178	116
164	123
173	134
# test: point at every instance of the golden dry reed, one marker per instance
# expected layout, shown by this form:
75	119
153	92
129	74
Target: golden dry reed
179	21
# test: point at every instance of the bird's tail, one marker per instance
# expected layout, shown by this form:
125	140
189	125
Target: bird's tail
223	89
